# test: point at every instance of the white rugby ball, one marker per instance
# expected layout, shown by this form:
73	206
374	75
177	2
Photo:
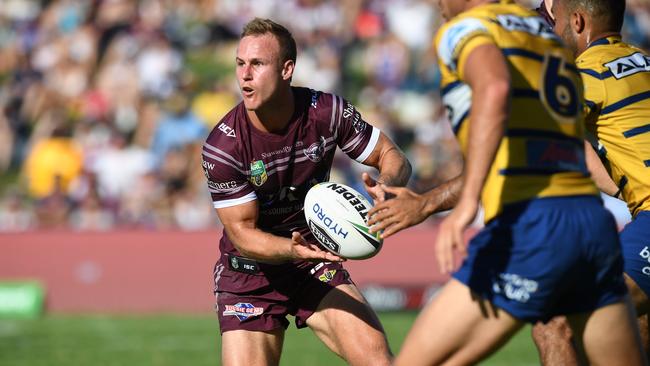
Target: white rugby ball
336	214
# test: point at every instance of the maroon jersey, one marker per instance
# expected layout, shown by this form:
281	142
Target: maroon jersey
243	164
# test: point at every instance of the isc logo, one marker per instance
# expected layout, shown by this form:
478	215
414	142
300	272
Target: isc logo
226	129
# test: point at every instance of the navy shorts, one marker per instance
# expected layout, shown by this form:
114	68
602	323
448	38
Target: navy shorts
262	301
635	241
547	257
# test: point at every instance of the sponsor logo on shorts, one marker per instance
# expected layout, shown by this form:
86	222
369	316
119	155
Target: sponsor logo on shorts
327	275
514	287
645	254
258	173
242	310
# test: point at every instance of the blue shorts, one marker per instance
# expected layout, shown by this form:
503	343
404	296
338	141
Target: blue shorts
546	257
635	241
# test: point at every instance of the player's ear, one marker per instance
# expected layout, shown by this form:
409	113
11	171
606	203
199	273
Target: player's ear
577	22
287	69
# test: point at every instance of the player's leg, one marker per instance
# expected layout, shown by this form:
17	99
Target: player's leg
349	327
456	328
554	342
642	305
609	335
243	347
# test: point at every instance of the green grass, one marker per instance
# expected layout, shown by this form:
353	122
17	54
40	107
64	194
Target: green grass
76	340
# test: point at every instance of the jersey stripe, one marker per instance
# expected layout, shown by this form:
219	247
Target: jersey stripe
235	201
214	157
524	132
596	74
636	131
525	93
334	102
523	53
222	153
536	171
371	145
625	102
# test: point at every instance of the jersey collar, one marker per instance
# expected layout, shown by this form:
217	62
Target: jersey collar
606	40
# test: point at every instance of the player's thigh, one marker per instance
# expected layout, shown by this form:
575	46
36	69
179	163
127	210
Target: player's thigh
348	326
639	298
609	335
456	328
243	347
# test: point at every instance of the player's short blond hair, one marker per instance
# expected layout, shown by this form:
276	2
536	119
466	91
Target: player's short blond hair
259	26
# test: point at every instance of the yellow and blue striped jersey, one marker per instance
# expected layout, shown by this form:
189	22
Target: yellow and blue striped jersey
617	95
542	151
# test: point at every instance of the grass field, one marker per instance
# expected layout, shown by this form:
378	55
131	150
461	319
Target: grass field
162	340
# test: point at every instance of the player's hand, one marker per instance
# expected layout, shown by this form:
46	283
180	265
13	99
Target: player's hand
405	209
450	234
374	188
301	249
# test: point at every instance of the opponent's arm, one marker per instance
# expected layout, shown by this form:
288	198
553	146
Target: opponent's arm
487	74
598	172
240	224
407	208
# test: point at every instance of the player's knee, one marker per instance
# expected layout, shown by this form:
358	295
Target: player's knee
372	351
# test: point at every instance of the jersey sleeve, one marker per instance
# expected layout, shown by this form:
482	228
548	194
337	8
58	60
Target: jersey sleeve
226	175
595	97
456	41
356	137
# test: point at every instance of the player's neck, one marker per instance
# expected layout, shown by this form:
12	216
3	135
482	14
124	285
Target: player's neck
592	37
275	115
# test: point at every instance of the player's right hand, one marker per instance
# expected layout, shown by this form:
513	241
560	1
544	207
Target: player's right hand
301	249
404	209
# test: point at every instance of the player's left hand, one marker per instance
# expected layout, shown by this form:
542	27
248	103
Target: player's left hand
374	188
450	234
302	249
405	209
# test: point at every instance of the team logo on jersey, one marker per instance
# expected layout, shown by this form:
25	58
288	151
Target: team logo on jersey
315	151
258	173
242	310
327	275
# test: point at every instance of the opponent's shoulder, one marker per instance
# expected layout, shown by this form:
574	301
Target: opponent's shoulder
611	57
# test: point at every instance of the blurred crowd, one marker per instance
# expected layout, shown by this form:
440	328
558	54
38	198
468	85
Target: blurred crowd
104	104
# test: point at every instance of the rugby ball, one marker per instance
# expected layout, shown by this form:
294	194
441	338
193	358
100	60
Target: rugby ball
336	215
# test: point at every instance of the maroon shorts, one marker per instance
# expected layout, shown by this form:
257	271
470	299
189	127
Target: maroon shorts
260	298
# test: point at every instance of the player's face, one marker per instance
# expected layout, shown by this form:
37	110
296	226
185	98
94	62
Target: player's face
259	71
450	8
562	25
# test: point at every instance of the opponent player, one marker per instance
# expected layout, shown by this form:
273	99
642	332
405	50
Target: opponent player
617	92
260	161
549	246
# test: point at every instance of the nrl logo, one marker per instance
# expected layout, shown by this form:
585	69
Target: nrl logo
315	151
258	173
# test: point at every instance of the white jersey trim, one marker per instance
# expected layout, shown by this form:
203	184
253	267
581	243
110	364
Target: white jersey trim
371	145
235	201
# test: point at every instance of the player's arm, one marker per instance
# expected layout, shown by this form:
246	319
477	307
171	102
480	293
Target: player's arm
240	224
486	72
598	172
407	208
393	166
